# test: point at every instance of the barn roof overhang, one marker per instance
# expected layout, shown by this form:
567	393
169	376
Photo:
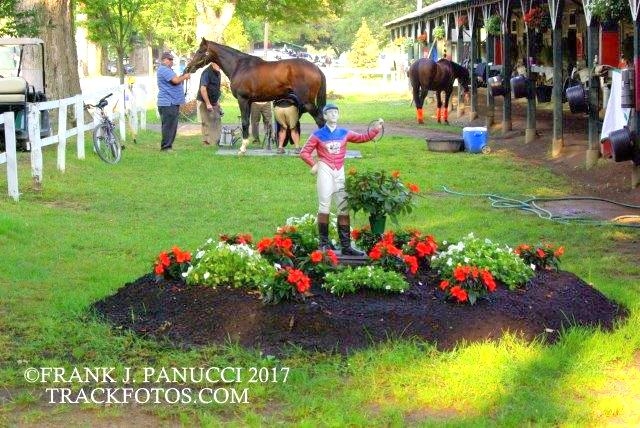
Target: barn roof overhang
439	8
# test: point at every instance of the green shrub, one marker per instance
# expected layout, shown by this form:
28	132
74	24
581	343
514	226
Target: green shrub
218	263
349	280
501	261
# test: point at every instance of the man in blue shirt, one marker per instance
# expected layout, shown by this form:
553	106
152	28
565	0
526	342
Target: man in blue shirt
170	97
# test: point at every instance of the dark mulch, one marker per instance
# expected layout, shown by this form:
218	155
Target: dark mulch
194	315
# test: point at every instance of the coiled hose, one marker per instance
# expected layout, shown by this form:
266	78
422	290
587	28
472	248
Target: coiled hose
530	205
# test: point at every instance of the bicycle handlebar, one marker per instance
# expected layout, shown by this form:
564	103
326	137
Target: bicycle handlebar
102	103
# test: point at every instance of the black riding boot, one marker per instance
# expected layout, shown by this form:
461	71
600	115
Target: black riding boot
323	233
344	232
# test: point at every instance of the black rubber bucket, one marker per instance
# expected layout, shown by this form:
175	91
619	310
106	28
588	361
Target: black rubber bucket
627	93
497	88
577	98
621	144
519	86
543	93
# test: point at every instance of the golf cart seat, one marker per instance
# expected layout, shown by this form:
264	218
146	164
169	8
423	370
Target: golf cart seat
13	90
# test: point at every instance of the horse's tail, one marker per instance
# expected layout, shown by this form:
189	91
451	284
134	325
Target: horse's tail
321	100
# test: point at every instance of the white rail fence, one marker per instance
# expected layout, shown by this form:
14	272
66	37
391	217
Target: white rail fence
127	100
9	156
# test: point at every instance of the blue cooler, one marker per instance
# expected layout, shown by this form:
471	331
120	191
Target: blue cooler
475	138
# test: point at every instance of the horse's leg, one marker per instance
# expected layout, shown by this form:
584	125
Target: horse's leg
439	105
245	111
418	100
445	110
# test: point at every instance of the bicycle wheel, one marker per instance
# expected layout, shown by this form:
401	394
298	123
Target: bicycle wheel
106	143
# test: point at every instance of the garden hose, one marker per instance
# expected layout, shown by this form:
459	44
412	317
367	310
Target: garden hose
530	205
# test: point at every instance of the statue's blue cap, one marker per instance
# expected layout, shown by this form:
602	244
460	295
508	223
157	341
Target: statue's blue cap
329	107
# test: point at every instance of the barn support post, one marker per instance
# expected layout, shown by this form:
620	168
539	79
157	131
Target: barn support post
593	148
459	53
490	114
635	117
555	9
506	66
530	129
472	62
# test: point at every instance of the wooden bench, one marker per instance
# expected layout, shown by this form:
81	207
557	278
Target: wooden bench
13	90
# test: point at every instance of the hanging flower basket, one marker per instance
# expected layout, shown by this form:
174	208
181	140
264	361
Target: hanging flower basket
537	18
422	38
610	10
493	25
462	20
438	33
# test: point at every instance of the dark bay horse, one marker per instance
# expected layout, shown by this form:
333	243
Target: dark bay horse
254	79
426	74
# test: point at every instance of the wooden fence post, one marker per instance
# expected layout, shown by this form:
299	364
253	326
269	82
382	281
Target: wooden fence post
10	154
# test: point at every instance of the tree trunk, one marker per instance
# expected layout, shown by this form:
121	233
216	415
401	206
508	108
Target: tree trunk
58	33
210	21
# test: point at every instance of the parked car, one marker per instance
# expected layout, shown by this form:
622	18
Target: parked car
112	68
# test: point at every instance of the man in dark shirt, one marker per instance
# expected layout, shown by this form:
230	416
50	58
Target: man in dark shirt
208	105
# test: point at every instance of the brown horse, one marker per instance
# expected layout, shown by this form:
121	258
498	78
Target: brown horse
425	75
254	79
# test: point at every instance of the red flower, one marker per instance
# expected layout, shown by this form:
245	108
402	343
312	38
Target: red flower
355	234
332	256
460	273
488	280
164	259
444	284
159	269
181	256
375	253
395	174
540	252
413	188
412	261
459	293
264	244
316	256
559	252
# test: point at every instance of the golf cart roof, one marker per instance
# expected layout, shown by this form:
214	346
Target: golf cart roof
20	41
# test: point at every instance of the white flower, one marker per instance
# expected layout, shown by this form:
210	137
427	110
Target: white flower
444	242
206	275
533	267
466	260
387	287
209	241
449	261
199	254
277	266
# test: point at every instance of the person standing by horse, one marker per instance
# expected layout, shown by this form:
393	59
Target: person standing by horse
287	116
330	144
208	106
260	110
170	98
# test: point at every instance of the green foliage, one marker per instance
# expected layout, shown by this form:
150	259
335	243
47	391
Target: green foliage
364	50
541	256
610	10
235	35
172	264
169	24
501	261
307	230
493	25
285	284
439	33
349	280
379	193
218	263
17	23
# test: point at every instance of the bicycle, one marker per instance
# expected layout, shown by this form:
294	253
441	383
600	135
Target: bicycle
106	142
230	136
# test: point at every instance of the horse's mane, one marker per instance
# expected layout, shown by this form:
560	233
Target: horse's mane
234	51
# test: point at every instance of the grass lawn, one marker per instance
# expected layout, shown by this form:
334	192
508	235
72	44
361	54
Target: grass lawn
97	226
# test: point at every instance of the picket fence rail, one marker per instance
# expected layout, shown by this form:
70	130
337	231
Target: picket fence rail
129	107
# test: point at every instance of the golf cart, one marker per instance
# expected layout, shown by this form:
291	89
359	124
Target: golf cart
22	82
